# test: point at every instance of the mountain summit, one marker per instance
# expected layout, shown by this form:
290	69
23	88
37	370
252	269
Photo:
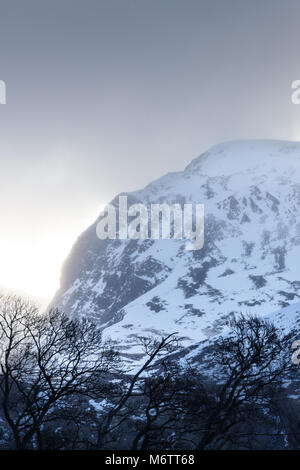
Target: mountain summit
249	262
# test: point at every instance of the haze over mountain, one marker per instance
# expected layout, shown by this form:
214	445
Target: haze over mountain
249	262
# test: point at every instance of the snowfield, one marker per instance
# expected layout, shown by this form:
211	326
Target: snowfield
249	262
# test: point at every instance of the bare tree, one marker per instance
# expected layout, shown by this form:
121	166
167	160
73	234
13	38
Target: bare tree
170	408
225	409
120	410
161	409
45	360
51	366
251	362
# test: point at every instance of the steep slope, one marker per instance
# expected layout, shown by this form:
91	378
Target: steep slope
249	262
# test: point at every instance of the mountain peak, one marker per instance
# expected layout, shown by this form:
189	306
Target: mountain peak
249	262
236	156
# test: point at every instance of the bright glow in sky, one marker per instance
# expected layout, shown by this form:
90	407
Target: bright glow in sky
31	262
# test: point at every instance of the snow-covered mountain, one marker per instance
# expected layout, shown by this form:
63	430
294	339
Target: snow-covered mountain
249	262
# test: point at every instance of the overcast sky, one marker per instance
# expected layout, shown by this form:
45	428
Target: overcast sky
105	95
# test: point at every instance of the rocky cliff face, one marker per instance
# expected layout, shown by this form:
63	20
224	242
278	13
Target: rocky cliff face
249	262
